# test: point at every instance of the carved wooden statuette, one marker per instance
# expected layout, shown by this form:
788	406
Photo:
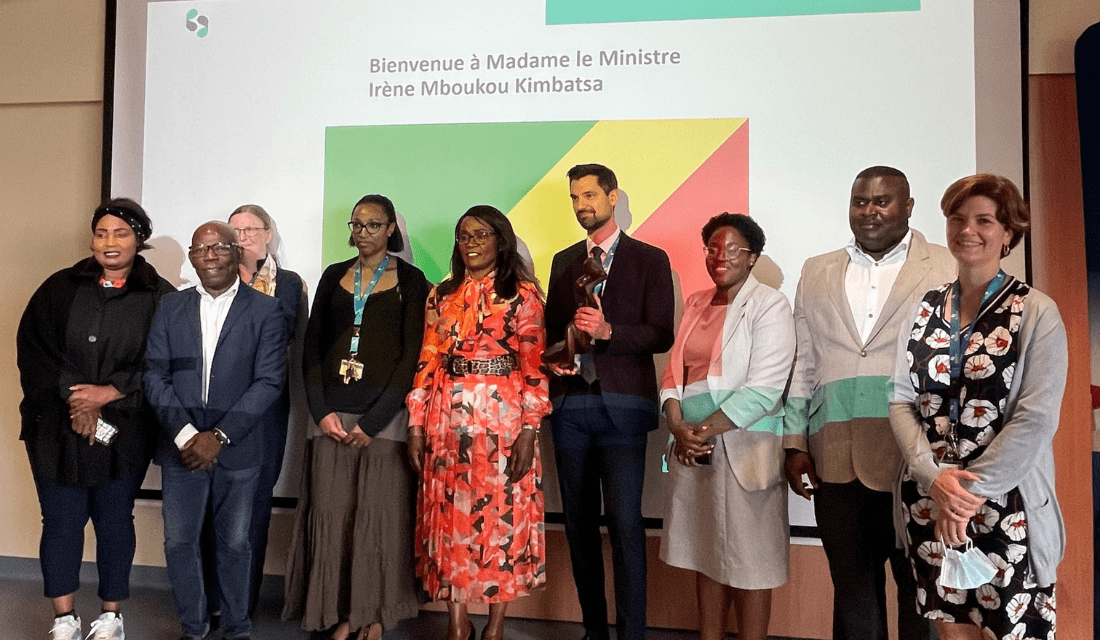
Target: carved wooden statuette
577	341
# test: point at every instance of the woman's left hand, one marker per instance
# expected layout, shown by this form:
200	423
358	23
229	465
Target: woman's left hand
950	496
88	397
522	455
356	438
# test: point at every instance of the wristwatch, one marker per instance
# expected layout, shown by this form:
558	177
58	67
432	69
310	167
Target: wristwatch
222	438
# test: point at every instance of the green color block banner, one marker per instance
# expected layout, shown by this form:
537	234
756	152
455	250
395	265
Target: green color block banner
433	174
597	11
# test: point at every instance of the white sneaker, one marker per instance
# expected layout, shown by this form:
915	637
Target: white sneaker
107	627
66	628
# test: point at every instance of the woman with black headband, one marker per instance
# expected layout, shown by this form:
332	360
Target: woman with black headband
88	430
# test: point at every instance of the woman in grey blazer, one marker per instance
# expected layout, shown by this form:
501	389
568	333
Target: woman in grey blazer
978	387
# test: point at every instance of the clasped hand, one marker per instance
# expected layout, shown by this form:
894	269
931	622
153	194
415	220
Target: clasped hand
85	403
691	440
201	451
956	505
332	427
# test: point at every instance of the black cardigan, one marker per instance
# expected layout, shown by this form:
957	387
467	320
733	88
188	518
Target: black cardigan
74	331
327	338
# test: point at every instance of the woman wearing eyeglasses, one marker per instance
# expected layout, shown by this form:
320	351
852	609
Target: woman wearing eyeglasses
479	397
87	427
722	395
351	569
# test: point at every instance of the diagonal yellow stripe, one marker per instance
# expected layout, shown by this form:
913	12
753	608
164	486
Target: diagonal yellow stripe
651	158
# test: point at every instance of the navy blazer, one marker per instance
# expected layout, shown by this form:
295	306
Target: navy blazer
247	375
290	292
638	301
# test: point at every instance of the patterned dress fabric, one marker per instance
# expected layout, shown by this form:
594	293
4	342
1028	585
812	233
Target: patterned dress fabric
1012	606
479	537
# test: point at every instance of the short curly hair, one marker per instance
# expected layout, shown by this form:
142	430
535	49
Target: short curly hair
1012	210
754	235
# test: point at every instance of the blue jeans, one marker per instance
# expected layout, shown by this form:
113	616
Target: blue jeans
186	494
65	511
595	459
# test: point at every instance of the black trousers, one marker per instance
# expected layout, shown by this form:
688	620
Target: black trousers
857	530
596	461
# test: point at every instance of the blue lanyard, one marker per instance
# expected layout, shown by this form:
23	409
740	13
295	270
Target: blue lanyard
598	290
361	296
960	336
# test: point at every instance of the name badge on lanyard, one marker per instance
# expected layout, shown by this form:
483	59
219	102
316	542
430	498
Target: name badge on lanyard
350	367
960	340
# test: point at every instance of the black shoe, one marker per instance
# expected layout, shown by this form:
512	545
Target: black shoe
591	635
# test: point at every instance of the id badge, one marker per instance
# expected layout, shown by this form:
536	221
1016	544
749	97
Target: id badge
105	432
351	369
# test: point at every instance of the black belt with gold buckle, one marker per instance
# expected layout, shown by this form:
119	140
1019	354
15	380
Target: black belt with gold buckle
458	366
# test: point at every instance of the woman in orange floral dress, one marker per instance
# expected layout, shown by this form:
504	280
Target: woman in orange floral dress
479	396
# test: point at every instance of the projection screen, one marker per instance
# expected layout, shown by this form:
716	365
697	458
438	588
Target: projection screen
766	107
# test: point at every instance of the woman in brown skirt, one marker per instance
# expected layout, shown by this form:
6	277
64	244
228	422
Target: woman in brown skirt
351	571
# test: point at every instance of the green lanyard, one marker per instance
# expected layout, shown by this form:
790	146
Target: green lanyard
961	335
361	296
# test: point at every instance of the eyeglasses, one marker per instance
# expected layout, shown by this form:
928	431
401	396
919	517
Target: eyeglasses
481	236
220	249
371	227
730	251
248	232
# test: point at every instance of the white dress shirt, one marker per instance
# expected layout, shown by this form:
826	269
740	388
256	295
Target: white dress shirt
868	282
212	314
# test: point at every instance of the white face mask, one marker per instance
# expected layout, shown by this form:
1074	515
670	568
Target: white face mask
967	569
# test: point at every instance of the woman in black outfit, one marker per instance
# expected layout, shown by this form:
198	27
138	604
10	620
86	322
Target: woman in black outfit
88	430
355	514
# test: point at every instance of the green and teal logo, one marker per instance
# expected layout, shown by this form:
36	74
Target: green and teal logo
198	24
604	11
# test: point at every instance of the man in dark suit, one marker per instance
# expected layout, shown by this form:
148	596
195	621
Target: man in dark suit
258	269
215	364
606	403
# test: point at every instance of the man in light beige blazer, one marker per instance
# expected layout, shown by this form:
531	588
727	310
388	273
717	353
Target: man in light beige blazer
848	310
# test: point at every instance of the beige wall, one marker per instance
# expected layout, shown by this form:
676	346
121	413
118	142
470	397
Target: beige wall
50	116
1055	27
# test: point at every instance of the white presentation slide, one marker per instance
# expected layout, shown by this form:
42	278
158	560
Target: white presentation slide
769	109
